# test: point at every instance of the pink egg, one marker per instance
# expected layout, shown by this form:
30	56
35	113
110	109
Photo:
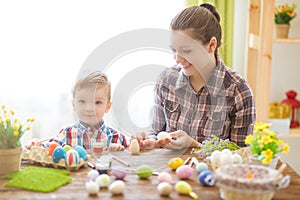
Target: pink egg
164	177
119	173
184	171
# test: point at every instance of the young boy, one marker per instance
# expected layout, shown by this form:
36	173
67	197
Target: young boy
91	100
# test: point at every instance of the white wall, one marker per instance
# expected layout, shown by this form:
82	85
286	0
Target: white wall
285	62
44	43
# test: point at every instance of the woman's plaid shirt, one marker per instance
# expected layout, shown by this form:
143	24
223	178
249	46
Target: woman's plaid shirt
223	107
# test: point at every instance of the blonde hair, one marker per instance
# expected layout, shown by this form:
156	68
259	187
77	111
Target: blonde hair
95	79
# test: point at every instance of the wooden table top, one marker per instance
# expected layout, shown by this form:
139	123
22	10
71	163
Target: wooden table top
137	188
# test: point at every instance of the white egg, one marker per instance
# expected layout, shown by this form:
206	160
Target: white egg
91	187
134	147
92	175
163	135
164	188
215	158
226	151
117	187
226	159
103	180
237	159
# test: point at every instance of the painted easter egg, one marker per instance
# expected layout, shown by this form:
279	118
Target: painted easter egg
67	147
201	166
183	187
58	154
174	163
102	180
164	177
184	172
206	178
118	172
51	147
72	158
144	171
81	152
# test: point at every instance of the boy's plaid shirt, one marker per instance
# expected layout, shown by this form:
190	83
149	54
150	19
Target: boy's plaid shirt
81	134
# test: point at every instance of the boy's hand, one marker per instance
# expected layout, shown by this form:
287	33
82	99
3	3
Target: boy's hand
116	147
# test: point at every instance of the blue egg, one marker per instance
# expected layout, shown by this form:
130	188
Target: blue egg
206	178
81	152
58	154
201	166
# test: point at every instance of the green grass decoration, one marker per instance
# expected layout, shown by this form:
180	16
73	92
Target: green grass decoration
38	179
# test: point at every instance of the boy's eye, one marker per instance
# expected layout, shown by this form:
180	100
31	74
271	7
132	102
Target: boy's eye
81	101
98	102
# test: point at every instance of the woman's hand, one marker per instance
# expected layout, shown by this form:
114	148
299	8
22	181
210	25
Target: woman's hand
180	140
144	141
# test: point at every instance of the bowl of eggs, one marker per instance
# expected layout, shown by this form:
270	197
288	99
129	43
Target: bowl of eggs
243	181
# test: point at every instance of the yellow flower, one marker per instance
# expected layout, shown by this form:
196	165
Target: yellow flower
12	112
280	142
3	106
286	148
266	161
270	133
28	128
248	139
16	133
266	140
268	153
15	127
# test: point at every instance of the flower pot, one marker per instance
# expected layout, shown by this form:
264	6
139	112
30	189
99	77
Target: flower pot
282	30
10	160
273	163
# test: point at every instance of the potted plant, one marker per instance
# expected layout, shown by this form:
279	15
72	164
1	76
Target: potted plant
284	13
265	145
11	131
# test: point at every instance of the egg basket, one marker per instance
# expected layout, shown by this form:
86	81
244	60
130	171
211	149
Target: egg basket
249	182
39	156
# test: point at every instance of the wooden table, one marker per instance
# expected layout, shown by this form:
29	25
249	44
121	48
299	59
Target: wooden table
137	188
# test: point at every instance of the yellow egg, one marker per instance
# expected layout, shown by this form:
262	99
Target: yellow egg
174	163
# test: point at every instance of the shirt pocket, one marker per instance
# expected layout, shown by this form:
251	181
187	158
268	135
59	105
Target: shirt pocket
172	112
215	123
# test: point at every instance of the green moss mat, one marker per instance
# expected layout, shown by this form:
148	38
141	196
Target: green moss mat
38	179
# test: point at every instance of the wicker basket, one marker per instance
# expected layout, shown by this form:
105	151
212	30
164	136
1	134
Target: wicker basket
235	184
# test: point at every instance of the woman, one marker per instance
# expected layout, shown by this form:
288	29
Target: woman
200	96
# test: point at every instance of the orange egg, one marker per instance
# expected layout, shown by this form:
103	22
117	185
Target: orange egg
51	148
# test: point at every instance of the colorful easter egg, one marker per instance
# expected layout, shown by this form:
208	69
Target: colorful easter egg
118	172
184	172
58	154
184	188
51	147
164	177
72	158
201	166
102	180
206	178
174	163
81	152
67	147
144	171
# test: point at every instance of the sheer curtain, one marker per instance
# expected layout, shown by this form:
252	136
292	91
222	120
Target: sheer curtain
44	44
